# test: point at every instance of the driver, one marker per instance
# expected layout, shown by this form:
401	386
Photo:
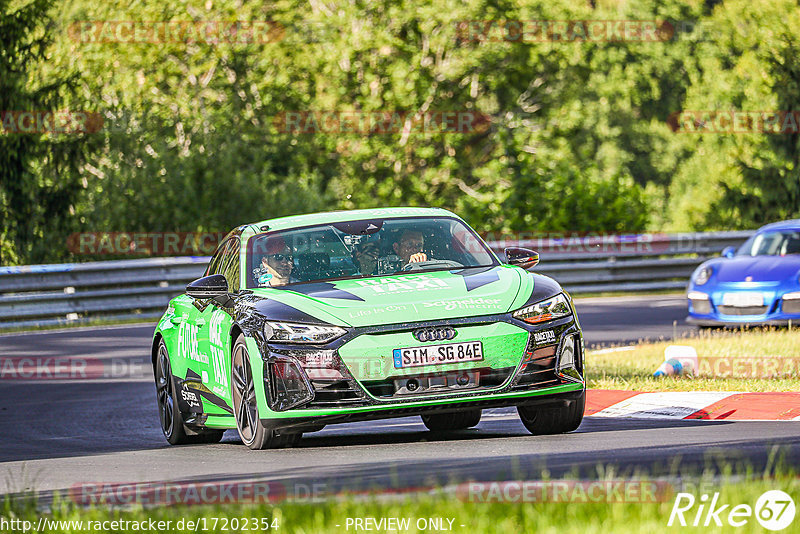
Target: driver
409	247
276	265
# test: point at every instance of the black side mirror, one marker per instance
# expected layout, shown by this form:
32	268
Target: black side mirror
208	287
728	252
522	257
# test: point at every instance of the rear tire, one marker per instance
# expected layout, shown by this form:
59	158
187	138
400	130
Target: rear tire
171	418
543	421
245	406
443	422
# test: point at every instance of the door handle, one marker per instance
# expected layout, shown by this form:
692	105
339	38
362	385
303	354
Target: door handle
200	322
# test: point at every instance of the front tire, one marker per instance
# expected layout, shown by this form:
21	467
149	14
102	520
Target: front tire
245	407
543	421
444	422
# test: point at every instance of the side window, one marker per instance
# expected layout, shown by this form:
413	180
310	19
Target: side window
230	265
216	260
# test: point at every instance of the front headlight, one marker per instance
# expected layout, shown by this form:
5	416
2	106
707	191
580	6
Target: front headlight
301	333
546	310
702	275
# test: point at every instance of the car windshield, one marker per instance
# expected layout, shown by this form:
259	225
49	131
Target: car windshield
775	243
363	249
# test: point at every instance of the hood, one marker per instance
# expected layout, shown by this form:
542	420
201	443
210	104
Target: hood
405	297
760	268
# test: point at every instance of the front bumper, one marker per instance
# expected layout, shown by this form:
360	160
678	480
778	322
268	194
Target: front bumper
739	321
524	365
711	311
555	397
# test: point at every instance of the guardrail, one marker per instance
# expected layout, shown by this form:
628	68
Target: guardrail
42	295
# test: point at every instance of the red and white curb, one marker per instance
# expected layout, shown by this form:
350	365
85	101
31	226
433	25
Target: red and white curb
709	405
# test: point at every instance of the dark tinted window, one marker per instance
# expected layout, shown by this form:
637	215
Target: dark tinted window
362	249
230	265
217	258
772	243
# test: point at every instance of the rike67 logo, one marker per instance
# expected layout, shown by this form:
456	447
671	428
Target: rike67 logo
774	510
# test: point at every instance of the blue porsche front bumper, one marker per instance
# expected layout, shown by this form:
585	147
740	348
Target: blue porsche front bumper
739	303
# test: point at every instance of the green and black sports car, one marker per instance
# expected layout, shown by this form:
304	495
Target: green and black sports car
305	321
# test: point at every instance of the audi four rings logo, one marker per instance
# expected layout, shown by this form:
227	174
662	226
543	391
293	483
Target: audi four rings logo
435	334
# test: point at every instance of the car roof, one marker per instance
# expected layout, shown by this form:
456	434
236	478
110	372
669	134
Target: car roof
309	219
792	224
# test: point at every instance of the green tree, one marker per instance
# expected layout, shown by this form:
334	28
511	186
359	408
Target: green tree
750	62
39	182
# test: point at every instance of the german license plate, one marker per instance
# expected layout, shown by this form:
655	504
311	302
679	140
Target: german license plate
743	300
469	351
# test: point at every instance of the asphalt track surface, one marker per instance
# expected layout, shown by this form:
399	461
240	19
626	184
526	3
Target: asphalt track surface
58	434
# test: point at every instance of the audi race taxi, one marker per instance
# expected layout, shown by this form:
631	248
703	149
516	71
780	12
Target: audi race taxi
311	320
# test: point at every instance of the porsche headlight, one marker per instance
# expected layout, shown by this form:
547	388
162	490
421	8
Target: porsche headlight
546	310
702	275
301	333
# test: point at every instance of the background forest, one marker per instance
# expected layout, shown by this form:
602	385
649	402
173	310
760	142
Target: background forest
580	133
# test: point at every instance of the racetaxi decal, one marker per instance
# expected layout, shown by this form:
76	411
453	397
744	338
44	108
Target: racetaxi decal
545	337
404	284
217	351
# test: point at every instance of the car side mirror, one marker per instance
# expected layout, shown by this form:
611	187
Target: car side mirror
208	287
728	252
521	257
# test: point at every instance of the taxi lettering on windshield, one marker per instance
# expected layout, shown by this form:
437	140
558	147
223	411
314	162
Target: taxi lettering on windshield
401	284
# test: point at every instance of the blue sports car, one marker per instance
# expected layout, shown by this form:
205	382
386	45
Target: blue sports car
756	284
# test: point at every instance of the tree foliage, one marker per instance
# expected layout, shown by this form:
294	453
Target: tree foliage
39	183
577	136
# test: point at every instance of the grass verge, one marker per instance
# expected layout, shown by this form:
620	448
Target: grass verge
571	511
765	359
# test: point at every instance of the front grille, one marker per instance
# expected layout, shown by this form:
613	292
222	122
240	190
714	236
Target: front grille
791	306
743	310
539	370
334	393
488	378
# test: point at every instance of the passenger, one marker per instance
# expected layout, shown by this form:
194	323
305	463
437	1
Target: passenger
276	265
366	257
